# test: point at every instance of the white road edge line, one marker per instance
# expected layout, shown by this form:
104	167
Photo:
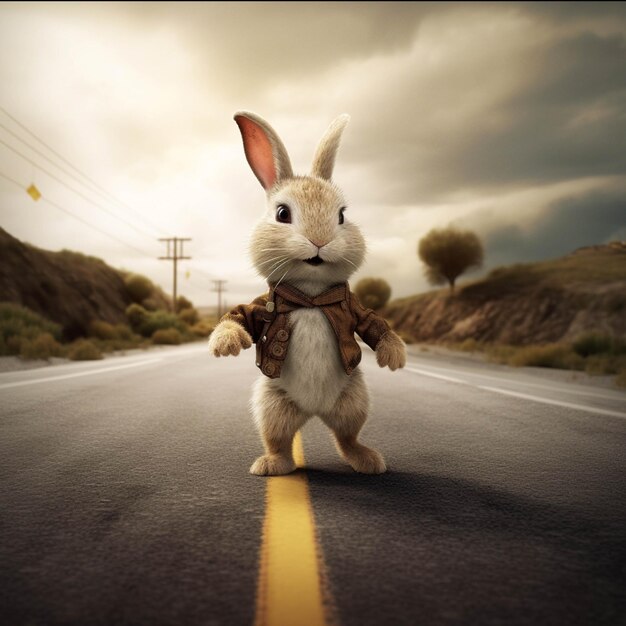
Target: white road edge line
100	370
440	376
611	395
569	405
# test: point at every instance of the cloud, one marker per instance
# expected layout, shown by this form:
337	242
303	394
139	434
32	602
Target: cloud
571	222
488	115
450	116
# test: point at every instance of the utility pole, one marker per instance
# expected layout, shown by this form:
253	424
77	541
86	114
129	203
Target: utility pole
174	253
219	287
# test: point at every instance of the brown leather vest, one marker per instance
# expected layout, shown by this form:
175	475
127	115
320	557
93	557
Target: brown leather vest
267	321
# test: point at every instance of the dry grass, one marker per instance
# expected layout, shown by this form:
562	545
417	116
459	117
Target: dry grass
595	353
555	355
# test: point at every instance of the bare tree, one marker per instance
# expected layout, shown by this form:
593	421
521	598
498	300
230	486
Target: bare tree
448	253
373	293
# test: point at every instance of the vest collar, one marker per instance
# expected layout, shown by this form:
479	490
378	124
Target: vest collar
292	296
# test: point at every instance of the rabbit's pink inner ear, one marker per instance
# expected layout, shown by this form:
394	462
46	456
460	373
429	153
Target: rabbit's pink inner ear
258	151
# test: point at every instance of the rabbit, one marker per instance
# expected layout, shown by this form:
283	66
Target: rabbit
306	248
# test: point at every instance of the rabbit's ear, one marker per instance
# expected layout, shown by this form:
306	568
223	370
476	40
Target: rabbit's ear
324	159
264	150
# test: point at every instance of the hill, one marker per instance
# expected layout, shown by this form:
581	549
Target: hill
69	288
524	304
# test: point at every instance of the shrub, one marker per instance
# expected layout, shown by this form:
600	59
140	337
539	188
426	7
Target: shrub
469	345
182	303
167	336
160	320
138	287
373	293
188	315
42	347
147	322
18	323
102	330
136	315
604	364
84	350
150	304
202	329
592	343
124	332
549	355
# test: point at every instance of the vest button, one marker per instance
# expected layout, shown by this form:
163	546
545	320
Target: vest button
282	335
258	364
278	349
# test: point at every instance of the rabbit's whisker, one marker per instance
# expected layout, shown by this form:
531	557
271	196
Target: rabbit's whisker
281	279
349	261
279	267
274	261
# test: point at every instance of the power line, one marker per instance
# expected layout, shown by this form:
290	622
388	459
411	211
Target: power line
77	217
78	193
85	176
49	160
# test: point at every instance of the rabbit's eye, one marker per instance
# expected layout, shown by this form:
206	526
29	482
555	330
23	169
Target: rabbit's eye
341	212
283	214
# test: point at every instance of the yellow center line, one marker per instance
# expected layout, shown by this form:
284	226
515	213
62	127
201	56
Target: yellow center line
290	588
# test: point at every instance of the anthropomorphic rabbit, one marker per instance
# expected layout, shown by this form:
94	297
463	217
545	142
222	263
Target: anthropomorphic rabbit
306	248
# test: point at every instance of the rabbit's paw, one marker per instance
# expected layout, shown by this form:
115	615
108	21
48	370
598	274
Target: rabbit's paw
391	351
273	465
365	460
229	338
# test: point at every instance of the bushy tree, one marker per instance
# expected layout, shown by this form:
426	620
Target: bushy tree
373	293
182	303
448	252
138	287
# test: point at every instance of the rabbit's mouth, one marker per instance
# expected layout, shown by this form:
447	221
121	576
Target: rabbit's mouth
316	260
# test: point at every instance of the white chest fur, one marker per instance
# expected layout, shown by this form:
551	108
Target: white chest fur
313	374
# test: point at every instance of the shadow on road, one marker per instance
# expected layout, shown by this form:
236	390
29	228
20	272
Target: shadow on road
468	551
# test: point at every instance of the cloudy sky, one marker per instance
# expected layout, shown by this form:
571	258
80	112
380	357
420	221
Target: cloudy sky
509	119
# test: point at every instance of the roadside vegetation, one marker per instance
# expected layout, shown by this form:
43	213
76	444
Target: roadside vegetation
592	352
374	293
28	335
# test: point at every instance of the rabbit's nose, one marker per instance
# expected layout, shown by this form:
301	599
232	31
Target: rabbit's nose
318	244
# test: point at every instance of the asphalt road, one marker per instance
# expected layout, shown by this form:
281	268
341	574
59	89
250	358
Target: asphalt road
125	496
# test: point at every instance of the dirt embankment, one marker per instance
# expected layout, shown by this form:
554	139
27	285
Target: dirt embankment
534	303
66	287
